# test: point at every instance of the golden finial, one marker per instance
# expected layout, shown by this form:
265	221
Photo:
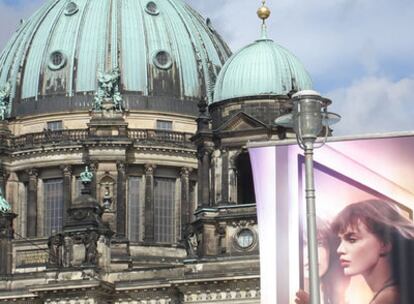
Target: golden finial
263	12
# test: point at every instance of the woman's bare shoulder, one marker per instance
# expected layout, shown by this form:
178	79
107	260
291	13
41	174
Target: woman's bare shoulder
389	295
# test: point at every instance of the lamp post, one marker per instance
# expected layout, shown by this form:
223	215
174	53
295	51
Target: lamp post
307	119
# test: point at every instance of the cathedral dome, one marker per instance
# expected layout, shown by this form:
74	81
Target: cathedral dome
167	54
261	68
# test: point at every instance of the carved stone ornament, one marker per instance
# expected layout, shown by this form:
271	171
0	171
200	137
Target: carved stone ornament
4	100
108	90
55	243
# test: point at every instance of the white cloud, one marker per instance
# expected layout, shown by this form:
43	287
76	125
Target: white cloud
337	41
374	104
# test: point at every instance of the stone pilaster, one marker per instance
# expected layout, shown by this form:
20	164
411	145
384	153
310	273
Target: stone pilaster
67	189
149	203
121	201
32	204
185	197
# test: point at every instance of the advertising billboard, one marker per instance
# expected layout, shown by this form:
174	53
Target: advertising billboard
364	204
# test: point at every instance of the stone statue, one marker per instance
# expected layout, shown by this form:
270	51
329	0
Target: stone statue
86	176
4	100
192	244
91	248
67	252
55	253
108	89
4	205
107	198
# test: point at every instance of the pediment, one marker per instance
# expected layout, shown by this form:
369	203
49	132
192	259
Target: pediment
240	122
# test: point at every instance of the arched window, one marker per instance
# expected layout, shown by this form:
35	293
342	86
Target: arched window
245	187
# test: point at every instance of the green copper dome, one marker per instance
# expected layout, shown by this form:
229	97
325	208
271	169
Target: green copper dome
161	47
261	68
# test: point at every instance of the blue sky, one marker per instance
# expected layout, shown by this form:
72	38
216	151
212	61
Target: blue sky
358	52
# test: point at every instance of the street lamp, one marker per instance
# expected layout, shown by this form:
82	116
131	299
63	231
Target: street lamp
308	118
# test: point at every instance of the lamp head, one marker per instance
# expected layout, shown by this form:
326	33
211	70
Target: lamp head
307	110
309	115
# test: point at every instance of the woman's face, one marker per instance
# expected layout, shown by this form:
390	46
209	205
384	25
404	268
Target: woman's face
323	258
359	250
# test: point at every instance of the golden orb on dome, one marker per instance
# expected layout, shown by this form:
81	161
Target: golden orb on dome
263	12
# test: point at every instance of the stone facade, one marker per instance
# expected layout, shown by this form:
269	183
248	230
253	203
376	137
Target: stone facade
209	260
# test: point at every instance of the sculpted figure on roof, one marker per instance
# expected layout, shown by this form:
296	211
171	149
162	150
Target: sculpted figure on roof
108	90
4	205
4	100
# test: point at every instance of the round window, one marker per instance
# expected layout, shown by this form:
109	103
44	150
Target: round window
152	8
57	60
71	8
245	238
162	60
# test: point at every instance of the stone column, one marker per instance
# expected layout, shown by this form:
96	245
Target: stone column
121	201
6	235
32	204
185	197
225	178
149	203
3	179
232	178
204	178
93	167
67	189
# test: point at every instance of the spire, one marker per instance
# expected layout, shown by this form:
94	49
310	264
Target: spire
263	12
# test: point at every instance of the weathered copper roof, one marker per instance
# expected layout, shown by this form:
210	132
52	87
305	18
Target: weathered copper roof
162	47
261	68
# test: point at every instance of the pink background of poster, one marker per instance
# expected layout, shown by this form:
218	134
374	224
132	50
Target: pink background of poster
345	172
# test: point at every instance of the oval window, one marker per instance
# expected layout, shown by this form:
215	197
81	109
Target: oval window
152	8
57	60
71	8
162	60
245	238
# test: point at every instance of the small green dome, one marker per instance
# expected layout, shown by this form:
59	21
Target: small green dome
261	68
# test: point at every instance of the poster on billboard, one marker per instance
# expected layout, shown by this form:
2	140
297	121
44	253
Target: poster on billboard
364	205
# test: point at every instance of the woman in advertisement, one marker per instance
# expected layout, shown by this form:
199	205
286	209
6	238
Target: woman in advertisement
376	241
333	281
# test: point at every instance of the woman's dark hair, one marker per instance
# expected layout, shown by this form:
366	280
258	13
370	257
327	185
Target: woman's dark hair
385	221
